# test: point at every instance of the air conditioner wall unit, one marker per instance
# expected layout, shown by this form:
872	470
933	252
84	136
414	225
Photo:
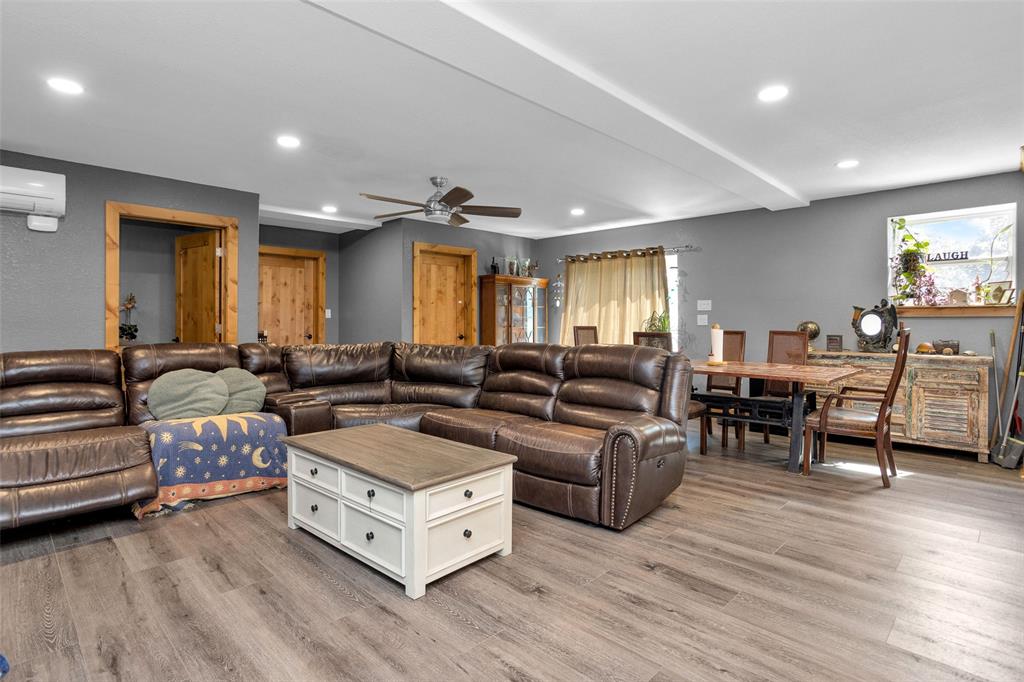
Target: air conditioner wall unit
34	192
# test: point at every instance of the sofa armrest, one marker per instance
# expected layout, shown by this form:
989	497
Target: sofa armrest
304	416
275	399
642	463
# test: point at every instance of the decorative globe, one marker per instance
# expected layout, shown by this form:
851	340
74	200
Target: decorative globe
811	327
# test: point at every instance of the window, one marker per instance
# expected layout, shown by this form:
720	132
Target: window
960	257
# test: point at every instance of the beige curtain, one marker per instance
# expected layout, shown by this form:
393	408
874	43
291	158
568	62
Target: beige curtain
615	291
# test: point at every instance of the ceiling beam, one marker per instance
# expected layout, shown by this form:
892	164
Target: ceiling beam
470	38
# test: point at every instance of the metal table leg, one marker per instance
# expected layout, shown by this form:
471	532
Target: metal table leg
796	430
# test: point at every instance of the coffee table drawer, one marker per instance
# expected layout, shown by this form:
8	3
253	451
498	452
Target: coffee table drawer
464	536
315	508
463	494
376	539
374	495
316	471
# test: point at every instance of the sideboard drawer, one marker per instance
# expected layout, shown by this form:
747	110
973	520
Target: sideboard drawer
316	471
378	540
464	536
315	508
463	494
374	495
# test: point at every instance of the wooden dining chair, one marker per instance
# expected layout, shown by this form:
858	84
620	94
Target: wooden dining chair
699	410
582	334
835	418
734	349
787	347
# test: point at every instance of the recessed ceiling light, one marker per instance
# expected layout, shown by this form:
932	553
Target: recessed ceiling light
288	141
848	163
35	184
329	209
773	93
577	211
66	86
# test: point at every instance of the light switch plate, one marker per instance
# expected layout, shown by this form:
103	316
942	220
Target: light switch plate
702	320
327	313
704	304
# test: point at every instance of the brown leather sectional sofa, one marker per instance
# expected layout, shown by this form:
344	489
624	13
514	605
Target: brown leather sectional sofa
599	430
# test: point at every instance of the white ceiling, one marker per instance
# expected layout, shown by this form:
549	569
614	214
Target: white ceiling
636	111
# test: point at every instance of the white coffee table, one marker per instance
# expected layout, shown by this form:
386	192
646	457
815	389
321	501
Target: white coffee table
414	507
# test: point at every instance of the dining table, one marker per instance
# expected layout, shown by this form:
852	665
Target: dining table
798	376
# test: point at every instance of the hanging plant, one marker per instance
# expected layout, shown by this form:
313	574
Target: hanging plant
908	265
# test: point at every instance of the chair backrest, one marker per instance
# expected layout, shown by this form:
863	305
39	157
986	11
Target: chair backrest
897	373
44	391
143	364
342	373
734	349
656	339
524	378
582	334
787	347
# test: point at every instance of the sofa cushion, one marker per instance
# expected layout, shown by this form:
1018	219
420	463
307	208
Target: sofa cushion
442	375
266	362
144	363
404	415
469	425
330	364
563	452
187	393
524	378
52	457
246	392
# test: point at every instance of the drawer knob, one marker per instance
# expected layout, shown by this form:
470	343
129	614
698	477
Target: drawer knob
467	533
468	494
371	493
314	471
313	508
369	536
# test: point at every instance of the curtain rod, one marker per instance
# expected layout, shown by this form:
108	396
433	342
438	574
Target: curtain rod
685	248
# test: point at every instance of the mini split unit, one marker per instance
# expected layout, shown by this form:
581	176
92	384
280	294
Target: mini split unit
40	195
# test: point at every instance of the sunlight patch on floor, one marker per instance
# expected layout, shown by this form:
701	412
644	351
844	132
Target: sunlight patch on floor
861	468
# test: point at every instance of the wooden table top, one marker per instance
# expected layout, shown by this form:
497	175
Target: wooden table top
403	458
804	374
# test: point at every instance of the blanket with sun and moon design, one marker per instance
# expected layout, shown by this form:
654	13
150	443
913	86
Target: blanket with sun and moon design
210	457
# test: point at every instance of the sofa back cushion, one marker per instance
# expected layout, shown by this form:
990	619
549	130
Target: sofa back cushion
675	389
143	364
266	362
341	373
442	375
524	378
59	390
608	384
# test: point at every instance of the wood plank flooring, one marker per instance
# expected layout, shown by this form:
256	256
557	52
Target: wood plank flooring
745	573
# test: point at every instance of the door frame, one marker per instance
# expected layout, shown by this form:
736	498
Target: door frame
228	227
320	258
423	248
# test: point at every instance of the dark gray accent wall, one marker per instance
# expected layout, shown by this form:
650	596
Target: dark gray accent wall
148	271
327	242
52	284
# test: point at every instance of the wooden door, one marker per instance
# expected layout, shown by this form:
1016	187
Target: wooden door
444	294
197	280
292	295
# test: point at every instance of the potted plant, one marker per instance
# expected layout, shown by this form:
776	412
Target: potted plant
126	330
908	265
658	322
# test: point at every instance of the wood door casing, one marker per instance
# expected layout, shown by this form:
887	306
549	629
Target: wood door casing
292	295
444	294
197	287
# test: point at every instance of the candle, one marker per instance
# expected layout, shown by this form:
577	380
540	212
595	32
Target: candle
717	339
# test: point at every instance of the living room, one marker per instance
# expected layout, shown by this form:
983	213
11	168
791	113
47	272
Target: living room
548	340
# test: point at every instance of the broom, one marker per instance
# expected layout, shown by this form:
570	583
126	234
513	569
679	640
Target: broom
1011	449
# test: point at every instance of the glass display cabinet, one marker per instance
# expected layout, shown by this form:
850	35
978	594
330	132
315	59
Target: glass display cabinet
513	309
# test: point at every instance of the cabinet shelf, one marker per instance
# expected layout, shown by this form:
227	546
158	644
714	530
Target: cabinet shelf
513	309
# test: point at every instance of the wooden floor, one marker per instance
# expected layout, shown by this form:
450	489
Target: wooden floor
746	572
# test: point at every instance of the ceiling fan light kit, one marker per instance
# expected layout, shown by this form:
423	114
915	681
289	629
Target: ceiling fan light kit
446	207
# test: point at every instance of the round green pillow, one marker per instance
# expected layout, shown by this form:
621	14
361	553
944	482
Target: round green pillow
187	393
245	391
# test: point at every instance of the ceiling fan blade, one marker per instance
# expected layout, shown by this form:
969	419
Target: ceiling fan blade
376	197
392	215
456	220
456	196
493	211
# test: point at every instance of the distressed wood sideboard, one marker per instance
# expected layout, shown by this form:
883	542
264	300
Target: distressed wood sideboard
942	401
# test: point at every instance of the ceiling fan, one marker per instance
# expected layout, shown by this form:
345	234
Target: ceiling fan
446	207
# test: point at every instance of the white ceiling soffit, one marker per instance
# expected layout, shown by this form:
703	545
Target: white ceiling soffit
470	38
283	216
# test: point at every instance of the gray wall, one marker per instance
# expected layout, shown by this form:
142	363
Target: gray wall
271	235
51	284
375	272
147	270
